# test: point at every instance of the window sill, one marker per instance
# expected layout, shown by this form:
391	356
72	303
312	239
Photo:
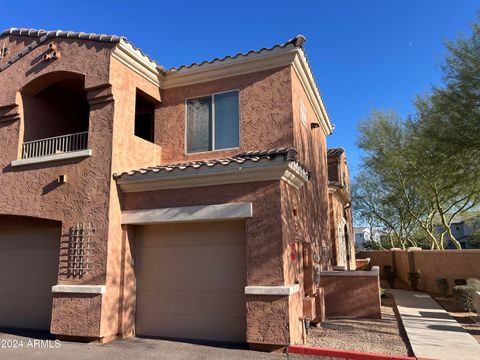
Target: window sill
49	158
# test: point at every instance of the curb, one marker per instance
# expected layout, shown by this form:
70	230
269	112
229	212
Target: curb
344	354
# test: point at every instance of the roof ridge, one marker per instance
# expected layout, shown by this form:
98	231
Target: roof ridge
62	34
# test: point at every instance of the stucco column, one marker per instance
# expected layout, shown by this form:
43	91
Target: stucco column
77	311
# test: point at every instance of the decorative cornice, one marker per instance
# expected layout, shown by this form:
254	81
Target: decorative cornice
135	60
272	290
79	289
100	95
9	113
276	169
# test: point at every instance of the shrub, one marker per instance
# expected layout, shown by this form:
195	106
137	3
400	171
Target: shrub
442	285
413	278
382	292
464	296
475	283
460	282
390	275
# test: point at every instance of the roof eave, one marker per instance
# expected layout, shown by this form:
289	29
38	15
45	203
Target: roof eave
268	170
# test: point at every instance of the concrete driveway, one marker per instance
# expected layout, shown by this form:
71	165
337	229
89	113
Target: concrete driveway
30	345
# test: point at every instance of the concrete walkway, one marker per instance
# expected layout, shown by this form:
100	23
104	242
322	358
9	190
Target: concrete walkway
432	332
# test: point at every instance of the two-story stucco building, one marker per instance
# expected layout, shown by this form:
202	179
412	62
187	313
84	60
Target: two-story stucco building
182	203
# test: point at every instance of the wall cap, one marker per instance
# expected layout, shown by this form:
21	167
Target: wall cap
56	157
350	273
272	290
80	289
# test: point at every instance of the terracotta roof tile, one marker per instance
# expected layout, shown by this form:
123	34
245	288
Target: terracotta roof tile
62	34
295	42
289	154
335	152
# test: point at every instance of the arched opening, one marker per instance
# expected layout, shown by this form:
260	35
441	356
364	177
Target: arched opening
56	113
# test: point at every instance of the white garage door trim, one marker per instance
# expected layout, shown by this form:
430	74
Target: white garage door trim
187	213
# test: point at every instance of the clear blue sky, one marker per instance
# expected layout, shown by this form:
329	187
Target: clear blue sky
364	54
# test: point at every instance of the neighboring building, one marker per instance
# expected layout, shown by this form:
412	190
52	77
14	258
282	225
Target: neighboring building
340	210
462	229
145	197
363	234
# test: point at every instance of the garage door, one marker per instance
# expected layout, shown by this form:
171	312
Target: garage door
191	281
28	269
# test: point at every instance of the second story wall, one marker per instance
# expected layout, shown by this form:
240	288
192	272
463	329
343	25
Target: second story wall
312	199
265	114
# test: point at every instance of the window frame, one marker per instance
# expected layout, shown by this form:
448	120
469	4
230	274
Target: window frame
212	97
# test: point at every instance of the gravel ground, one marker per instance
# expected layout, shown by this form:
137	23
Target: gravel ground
469	320
383	336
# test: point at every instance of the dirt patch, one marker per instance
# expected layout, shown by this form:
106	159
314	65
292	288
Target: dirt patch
469	320
383	336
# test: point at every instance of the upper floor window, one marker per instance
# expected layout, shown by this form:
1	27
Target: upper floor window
213	122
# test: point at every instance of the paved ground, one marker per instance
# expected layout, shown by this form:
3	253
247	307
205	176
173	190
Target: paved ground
432	332
34	346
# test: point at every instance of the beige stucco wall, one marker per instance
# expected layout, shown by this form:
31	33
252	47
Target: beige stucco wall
379	258
351	295
265	114
449	264
32	190
431	264
128	152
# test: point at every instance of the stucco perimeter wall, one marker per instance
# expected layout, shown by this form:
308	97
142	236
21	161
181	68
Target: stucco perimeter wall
431	264
401	265
353	294
267	316
380	258
265	114
33	190
449	264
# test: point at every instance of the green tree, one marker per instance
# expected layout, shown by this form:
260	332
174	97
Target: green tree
405	171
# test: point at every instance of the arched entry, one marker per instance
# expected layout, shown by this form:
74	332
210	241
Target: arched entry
29	254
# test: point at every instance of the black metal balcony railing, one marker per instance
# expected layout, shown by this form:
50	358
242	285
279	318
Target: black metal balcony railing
55	145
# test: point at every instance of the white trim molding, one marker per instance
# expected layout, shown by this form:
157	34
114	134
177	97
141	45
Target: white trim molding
243	64
373	272
56	157
272	290
79	289
187	213
233	173
136	61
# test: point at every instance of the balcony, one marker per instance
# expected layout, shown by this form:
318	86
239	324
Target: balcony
62	147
